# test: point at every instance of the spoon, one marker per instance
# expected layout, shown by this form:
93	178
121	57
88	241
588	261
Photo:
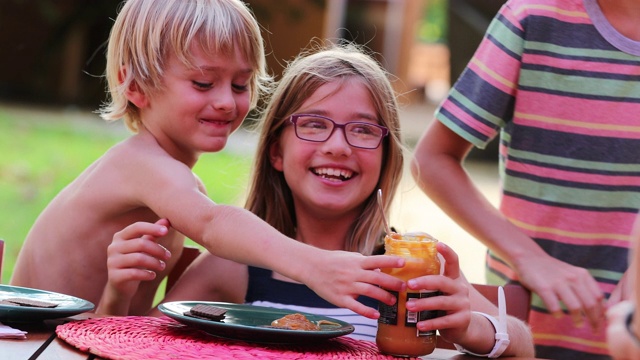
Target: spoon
384	217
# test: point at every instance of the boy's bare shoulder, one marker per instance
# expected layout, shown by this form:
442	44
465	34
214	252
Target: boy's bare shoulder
142	153
121	177
135	158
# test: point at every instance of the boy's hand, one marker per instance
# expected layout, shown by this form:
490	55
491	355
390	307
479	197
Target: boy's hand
454	302
341	276
133	256
556	281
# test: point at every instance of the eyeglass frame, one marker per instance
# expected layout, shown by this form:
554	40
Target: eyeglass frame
293	119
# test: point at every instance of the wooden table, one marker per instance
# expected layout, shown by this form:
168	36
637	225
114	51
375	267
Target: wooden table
43	344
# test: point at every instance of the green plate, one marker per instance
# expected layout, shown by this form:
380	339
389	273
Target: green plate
67	305
252	323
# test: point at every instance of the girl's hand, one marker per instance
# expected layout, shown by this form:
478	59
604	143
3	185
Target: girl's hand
453	303
133	256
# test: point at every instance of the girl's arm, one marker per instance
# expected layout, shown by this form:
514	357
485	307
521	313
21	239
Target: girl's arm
459	324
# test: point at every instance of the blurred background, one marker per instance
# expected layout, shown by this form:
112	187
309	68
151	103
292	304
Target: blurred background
54	50
51	83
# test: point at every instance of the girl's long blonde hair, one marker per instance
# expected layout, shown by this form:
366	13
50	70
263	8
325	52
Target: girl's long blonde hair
269	195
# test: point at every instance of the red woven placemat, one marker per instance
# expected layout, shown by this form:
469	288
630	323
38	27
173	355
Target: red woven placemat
142	337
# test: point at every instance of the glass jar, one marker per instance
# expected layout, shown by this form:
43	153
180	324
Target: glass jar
397	333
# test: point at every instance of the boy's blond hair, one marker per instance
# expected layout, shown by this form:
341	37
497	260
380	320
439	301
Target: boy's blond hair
269	196
147	31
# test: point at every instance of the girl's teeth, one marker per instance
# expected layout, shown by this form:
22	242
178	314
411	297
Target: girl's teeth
331	172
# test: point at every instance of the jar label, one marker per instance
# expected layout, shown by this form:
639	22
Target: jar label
388	313
412	317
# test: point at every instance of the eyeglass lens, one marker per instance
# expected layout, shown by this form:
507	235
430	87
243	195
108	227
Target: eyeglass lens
358	134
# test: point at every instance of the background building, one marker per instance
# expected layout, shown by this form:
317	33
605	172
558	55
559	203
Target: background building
53	50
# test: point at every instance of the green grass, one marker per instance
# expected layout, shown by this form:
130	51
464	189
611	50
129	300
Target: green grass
42	150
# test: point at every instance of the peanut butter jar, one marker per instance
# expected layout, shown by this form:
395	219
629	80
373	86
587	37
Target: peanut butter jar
397	333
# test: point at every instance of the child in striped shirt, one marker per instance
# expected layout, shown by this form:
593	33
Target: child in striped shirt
559	82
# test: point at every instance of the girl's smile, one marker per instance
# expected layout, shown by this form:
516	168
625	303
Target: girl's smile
333	174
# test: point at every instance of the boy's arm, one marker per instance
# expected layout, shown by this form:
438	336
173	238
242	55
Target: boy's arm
239	235
337	276
210	278
437	168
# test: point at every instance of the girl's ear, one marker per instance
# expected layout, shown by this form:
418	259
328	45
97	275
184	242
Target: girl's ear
133	93
275	155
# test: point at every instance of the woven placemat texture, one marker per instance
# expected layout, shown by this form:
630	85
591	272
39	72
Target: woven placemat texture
143	337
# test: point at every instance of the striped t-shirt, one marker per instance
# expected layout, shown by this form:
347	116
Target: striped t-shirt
562	88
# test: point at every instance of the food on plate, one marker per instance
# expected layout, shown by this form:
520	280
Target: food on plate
300	322
28	302
208	312
295	322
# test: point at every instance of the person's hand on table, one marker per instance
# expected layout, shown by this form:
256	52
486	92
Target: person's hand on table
556	281
133	256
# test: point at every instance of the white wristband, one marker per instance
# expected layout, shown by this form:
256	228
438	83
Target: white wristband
500	325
